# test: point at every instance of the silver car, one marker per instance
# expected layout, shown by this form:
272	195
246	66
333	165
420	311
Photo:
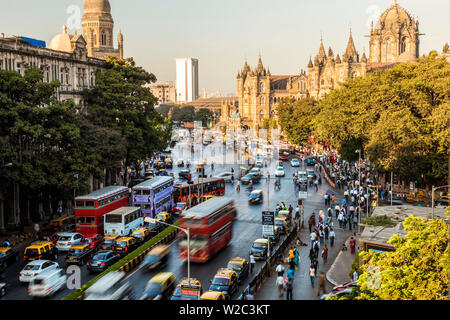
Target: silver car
66	240
227	176
35	268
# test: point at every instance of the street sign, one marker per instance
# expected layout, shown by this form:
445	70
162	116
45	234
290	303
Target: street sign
302	194
268	221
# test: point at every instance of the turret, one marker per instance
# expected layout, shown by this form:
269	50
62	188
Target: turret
120	41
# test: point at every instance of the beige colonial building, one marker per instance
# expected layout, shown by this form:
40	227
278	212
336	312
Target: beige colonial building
72	67
259	93
98	30
395	39
166	93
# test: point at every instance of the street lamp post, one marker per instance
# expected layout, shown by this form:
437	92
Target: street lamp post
187	231
359	186
433	188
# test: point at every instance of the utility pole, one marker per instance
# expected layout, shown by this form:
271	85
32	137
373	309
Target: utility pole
392	182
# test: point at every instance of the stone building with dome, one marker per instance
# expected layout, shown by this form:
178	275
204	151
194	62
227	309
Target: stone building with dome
98	30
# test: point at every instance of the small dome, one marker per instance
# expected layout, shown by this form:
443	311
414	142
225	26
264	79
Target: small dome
96	6
61	42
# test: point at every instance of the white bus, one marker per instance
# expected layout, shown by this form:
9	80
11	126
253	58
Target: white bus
123	221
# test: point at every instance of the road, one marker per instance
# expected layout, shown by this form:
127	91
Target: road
247	226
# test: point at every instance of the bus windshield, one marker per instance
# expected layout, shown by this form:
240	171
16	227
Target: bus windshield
113	218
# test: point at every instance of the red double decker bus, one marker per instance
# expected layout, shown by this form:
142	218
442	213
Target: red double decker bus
192	193
90	208
210	227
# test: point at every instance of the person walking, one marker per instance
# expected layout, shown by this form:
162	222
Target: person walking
316	248
252	262
352	244
296	258
313	237
280	285
312	274
332	199
325	253
326	231
332	235
280	269
289	288
311	255
291	274
321	283
315	265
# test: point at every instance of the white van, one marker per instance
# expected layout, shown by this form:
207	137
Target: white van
47	283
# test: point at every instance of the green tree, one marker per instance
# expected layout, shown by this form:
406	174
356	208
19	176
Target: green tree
184	114
120	101
296	119
204	115
416	270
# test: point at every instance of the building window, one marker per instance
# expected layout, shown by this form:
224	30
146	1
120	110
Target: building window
103	41
262	101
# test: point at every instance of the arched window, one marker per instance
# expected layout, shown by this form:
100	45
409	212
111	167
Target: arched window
261	87
404	45
262	101
103	40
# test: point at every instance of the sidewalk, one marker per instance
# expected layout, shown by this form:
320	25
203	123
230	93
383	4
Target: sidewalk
340	269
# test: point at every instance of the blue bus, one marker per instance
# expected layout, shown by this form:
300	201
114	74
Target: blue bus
153	196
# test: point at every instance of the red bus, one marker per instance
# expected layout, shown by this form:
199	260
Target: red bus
90	208
210	225
191	193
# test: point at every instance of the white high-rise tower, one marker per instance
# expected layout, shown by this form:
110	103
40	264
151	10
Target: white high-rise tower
187	79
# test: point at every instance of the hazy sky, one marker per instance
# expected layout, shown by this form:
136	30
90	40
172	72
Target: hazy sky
222	33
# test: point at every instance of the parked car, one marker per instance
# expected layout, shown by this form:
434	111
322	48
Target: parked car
240	266
34	268
47	283
259	248
193	288
102	260
225	281
256	197
310	160
67	240
283	224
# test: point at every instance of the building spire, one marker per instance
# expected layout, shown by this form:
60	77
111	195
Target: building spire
350	52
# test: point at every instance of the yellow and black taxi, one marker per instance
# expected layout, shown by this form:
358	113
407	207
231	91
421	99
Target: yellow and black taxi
108	241
205	198
169	163
276	235
160	286
283	224
259	248
8	255
164	217
240	266
187	289
124	245
79	254
212	295
225	281
142	234
62	224
156	257
40	250
284	214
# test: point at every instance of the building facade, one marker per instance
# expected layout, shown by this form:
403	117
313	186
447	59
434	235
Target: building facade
187	79
73	68
166	93
259	93
98	30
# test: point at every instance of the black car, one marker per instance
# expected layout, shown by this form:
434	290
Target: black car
102	260
225	282
8	255
183	174
256	196
241	266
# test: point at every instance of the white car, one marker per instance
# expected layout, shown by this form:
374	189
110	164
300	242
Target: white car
227	176
256	171
66	240
34	268
259	164
295	162
279	172
47	283
110	287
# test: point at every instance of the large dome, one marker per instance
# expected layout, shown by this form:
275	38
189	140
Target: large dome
394	14
97	6
61	42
